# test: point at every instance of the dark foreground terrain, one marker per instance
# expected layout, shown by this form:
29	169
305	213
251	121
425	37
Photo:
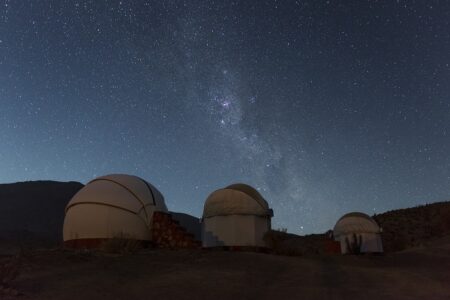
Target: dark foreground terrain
416	266
420	273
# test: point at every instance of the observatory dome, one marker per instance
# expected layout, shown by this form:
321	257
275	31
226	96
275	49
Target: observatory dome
111	206
236	199
355	222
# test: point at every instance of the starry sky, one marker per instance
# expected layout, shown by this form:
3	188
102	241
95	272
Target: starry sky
325	107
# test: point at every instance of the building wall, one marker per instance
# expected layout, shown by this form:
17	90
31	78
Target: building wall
371	242
88	221
234	230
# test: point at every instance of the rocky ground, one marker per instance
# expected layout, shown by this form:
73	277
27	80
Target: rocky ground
419	273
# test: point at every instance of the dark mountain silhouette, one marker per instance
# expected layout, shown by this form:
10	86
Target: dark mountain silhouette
34	209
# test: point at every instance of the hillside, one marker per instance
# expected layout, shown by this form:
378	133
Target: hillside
34	209
411	227
402	229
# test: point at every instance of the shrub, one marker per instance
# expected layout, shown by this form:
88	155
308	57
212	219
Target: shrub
354	246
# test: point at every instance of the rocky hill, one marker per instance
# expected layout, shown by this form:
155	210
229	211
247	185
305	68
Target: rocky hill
411	227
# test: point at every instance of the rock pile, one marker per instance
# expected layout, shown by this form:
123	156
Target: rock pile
168	233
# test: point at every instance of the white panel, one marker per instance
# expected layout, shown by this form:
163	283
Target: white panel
100	221
343	244
133	183
234	230
109	193
159	199
231	202
143	192
371	242
355	224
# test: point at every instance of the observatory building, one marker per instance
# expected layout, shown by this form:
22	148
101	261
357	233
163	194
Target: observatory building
112	206
359	230
235	216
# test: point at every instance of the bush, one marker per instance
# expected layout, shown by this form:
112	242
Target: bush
354	246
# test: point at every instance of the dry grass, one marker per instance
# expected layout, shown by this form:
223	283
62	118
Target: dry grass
195	274
121	245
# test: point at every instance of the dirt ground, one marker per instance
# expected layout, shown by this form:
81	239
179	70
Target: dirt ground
421	273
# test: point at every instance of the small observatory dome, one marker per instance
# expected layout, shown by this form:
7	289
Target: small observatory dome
362	226
111	206
235	216
355	222
236	199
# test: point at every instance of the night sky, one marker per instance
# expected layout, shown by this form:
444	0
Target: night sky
325	106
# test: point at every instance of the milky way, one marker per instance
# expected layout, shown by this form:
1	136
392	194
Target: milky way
324	106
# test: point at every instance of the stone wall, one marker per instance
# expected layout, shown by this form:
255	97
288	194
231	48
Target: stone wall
168	233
